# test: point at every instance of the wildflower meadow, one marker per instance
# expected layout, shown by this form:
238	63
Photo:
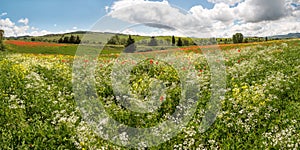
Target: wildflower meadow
258	108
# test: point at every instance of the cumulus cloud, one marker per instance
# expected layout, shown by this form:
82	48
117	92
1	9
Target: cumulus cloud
261	10
251	17
6	22
24	21
11	29
156	14
221	12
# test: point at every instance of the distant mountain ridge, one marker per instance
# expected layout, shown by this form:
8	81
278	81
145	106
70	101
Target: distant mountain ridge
286	36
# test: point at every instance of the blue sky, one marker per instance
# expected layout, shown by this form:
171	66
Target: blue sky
58	15
34	17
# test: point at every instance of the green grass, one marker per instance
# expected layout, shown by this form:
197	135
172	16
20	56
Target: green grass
38	109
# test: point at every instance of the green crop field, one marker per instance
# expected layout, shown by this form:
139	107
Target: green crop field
259	109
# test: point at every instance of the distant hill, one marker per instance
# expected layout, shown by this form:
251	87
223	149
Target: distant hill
286	36
103	37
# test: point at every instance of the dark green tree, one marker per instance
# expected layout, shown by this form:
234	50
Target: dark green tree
238	38
173	40
186	42
179	42
66	40
114	40
60	40
153	42
77	41
72	39
1	40
130	46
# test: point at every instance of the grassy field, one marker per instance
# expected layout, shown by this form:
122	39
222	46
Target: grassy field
15	46
259	110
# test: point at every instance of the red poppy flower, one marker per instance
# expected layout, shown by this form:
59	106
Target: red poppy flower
151	61
161	98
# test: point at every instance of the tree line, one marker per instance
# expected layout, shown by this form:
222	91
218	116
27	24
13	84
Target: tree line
72	39
153	41
130	45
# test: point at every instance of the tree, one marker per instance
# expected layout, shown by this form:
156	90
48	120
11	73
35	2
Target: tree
130	46
225	41
66	40
1	39
168	41
153	42
115	40
77	41
60	40
238	38
179	42
72	39
173	40
186	42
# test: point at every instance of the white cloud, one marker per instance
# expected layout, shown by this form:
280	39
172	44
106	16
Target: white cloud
3	14
255	17
261	10
11	29
74	28
34	28
24	21
229	2
106	9
39	33
221	12
156	14
6	23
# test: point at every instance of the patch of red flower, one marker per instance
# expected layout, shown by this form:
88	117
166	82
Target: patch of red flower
27	43
151	61
161	98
